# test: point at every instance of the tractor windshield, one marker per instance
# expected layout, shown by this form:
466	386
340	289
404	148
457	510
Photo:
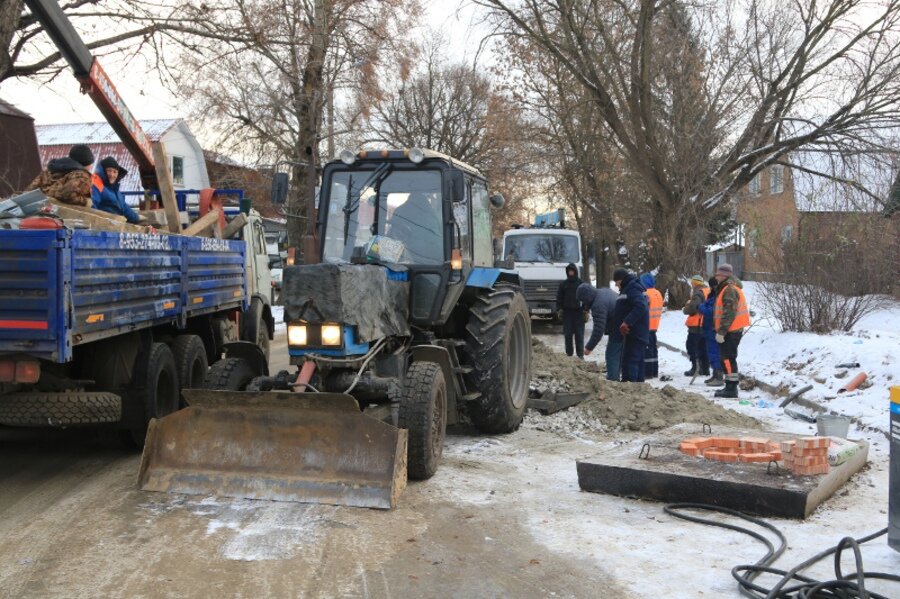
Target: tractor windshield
403	205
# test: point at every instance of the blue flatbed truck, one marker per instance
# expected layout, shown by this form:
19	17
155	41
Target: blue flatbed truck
104	328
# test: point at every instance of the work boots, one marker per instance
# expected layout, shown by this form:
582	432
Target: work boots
704	367
692	371
717	379
730	391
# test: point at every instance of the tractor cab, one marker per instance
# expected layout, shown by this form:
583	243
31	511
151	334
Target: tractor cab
415	212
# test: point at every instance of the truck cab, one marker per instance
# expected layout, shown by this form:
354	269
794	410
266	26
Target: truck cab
540	254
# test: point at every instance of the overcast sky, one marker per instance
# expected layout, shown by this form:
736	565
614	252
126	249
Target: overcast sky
61	102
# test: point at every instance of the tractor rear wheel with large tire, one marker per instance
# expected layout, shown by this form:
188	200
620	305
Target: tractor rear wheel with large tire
156	383
230	374
498	348
423	413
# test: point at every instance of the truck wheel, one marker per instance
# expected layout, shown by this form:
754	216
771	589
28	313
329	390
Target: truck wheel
498	347
157	378
423	412
191	362
230	374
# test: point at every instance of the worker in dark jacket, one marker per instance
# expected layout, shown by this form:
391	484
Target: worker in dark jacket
602	304
105	190
696	344
67	179
570	312
635	327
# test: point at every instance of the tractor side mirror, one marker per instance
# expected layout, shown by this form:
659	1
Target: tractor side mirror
498	201
458	185
280	184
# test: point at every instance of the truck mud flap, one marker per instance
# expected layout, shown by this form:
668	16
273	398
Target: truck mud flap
304	447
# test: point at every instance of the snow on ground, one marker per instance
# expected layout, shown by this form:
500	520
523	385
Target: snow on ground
278	316
674	558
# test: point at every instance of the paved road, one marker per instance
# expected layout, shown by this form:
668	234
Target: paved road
73	524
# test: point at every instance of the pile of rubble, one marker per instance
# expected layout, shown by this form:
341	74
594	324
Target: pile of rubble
615	406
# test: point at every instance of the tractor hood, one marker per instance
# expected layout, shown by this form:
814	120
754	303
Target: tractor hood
368	297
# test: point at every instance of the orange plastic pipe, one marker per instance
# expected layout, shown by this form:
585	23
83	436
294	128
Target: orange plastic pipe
306	373
854	382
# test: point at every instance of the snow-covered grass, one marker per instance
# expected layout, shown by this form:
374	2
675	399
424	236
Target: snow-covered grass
794	360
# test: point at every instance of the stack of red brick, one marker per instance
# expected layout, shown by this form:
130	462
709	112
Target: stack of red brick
729	449
806	456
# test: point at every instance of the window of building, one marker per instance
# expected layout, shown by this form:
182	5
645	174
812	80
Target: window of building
178	170
787	233
776	179
753	187
753	243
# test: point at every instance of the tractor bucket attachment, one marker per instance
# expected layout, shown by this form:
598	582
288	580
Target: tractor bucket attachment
305	447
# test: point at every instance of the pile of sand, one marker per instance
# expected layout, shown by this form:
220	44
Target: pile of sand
618	406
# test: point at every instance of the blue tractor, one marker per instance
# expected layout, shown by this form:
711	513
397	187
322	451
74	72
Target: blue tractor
402	328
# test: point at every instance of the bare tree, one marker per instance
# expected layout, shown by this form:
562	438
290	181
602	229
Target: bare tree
700	97
453	108
266	98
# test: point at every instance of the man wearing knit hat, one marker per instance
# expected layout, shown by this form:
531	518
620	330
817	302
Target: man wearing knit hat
730	318
68	179
633	315
696	344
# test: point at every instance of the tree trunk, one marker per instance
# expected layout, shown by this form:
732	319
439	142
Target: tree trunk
10	11
301	231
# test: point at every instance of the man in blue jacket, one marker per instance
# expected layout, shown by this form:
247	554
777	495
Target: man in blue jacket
635	324
105	191
602	304
707	309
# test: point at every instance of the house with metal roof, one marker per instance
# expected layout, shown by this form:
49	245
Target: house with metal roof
186	160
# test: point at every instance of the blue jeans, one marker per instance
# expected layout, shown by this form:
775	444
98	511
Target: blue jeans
613	359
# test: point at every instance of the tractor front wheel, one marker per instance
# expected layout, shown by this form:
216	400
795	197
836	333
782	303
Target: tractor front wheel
423	412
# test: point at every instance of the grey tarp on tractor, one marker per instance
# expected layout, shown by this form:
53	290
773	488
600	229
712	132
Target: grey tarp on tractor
360	295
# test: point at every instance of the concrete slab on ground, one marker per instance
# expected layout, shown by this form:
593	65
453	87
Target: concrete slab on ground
669	475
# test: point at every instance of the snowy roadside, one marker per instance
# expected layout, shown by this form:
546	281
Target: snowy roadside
638	537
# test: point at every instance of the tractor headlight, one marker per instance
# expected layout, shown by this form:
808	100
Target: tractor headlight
331	334
347	157
296	334
416	155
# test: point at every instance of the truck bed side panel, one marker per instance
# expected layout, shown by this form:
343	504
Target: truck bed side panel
32	267
124	280
215	274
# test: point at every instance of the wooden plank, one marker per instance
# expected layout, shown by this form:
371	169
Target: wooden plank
203	225
97	220
157	218
166	187
234	227
89	211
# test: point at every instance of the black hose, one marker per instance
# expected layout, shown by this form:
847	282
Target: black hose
792	584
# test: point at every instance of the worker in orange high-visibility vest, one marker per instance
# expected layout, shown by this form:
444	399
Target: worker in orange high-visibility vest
655	299
696	342
730	318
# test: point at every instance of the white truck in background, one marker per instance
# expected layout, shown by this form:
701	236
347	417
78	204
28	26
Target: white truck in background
540	254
